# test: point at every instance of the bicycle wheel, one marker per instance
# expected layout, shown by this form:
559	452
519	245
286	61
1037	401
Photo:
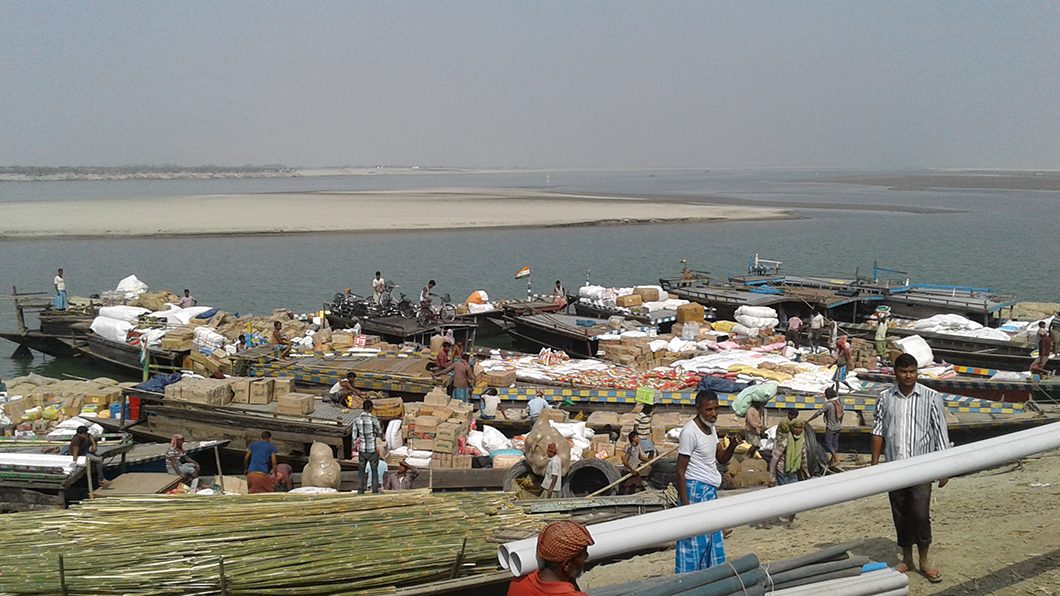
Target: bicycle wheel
406	311
448	313
424	319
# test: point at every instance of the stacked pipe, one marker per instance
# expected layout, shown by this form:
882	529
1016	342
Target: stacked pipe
643	531
831	571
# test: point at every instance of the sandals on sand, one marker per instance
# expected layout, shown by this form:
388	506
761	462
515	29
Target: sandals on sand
901	568
934	576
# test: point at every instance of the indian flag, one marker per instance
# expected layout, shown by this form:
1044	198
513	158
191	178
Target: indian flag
522	272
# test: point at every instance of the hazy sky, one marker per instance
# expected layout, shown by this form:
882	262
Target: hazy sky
531	84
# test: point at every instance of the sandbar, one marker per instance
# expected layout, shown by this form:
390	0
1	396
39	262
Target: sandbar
352	211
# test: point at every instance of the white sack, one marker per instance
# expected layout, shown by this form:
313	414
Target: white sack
112	329
918	348
123	313
131	287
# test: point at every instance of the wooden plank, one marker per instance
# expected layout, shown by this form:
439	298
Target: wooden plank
139	484
30	497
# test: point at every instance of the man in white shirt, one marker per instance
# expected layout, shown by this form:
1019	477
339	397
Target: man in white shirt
490	402
378	287
816	325
698	454
553	482
910	420
534	407
60	291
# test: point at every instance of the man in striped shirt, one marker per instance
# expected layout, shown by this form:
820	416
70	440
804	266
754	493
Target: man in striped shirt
910	420
365	430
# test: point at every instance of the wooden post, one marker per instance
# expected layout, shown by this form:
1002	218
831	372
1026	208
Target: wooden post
62	577
124	406
224	581
220	475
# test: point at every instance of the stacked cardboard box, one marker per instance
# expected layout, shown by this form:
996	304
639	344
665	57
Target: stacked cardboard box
261	391
499	378
862	354
212	392
301	404
628	301
440	427
692	312
178	339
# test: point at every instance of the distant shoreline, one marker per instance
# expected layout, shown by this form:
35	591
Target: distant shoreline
1044	181
354	212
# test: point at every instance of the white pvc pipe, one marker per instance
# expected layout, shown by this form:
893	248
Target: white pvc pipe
875	582
635	533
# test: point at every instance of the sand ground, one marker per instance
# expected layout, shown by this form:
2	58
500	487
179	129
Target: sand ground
995	532
351	212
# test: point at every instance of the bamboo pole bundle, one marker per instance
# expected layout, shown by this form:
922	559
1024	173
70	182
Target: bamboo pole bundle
272	544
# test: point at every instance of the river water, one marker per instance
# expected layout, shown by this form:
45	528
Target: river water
1002	239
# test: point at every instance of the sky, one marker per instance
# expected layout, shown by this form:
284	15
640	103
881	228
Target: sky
531	84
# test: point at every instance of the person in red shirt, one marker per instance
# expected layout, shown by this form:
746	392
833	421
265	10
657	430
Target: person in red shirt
563	546
442	360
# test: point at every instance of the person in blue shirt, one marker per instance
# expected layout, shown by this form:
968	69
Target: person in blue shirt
260	465
534	407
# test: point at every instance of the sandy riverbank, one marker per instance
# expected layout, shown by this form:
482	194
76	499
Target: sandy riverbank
1042	181
372	211
995	532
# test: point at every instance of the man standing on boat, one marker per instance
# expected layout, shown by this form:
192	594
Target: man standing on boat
559	295
793	334
910	421
366	429
60	291
698	454
1054	333
259	464
816	325
378	287
881	335
463	377
425	296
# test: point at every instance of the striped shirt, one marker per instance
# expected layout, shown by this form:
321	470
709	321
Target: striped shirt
643	425
911	425
366	428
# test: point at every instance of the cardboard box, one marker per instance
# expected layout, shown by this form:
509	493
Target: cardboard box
73	405
462	413
500	378
442	460
342	340
630	300
261	391
690	313
240	391
301	404
553	414
176	344
15	409
436	397
647	294
206	362
172	391
322	337
462	462
447	431
282	386
445	446
388	407
103	397
422	444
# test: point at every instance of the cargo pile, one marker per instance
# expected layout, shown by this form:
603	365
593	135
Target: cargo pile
640	300
439	427
35	405
240	390
503	372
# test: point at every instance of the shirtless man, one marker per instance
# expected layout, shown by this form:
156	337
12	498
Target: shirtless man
280	340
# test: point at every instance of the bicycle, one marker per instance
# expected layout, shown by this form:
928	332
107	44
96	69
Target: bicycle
443	313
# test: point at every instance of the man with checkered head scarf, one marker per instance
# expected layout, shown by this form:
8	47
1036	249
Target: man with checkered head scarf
563	548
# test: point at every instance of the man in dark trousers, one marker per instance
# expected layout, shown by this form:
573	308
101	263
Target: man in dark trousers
910	421
366	430
85	444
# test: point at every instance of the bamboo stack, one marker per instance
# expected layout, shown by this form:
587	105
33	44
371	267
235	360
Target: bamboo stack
271	544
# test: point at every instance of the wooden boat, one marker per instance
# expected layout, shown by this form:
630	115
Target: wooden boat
401	330
981	387
663	319
127	357
559	332
59	331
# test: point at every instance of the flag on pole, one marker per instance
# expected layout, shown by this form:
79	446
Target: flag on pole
525	271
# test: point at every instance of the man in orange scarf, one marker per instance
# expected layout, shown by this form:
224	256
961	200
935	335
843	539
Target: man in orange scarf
563	546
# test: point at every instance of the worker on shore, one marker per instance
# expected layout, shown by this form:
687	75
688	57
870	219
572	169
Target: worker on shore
816	326
366	430
790	461
632	458
85	444
259	464
563	546
60	291
535	406
241	343
833	411
842	359
187	300
1045	349
910	420
552	483
698	454
642	426
463	377
402	479
280	340
378	287
559	295
1054	333
340	392
284	484
178	463
490	402
755	425
881	336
